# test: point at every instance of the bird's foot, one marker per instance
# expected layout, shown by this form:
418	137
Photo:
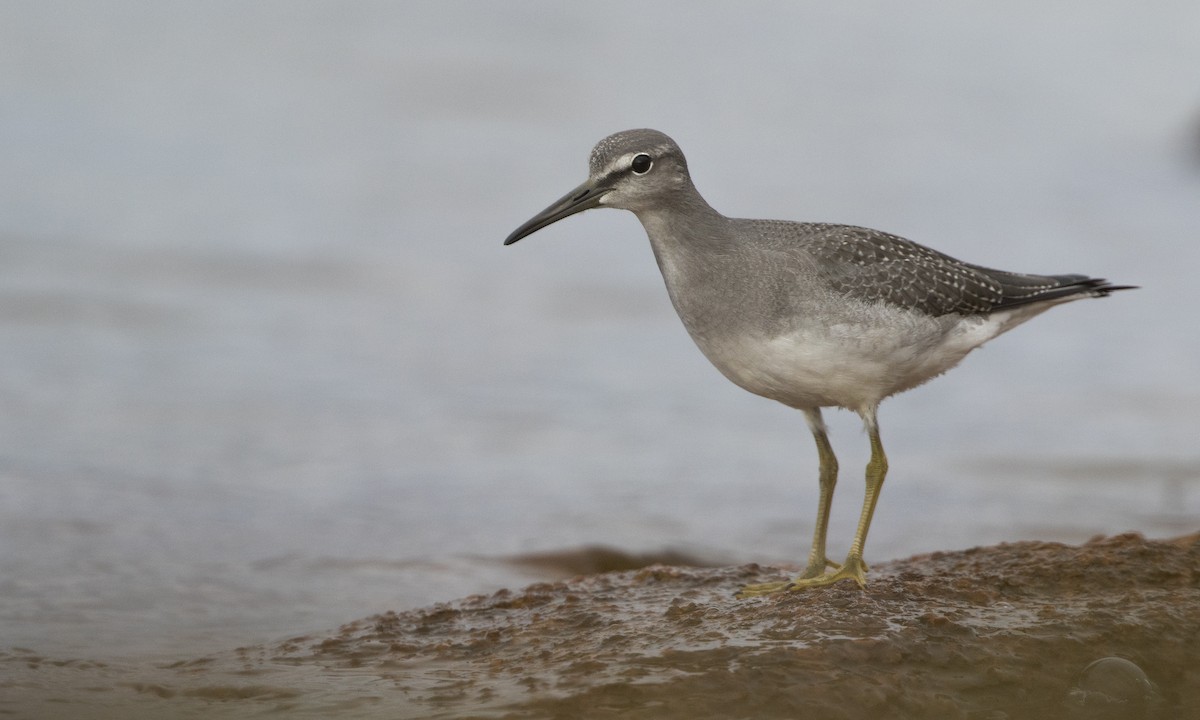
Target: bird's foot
852	569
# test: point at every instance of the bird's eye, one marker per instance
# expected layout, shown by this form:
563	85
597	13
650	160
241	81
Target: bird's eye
641	164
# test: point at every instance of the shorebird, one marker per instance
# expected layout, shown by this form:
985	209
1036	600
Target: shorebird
812	315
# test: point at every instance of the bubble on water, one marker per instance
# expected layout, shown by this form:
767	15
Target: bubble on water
1114	687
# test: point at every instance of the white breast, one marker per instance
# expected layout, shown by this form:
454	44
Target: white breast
854	365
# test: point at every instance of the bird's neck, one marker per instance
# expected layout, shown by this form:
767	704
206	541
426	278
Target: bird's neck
692	243
685	226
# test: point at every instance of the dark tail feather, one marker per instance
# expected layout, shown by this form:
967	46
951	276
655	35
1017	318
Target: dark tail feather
1019	290
1104	288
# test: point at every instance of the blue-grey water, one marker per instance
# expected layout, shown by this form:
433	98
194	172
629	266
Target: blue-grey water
266	368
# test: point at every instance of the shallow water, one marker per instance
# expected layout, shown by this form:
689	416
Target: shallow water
268	369
1030	629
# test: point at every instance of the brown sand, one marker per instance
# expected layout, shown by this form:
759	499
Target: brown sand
990	633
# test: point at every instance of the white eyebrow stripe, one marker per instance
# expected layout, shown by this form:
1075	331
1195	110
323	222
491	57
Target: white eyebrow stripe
624	162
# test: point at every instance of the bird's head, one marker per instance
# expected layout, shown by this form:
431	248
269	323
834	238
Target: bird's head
630	170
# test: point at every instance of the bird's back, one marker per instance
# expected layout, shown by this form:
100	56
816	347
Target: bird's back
874	266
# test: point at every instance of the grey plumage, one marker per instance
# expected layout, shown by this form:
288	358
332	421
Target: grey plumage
872	266
811	315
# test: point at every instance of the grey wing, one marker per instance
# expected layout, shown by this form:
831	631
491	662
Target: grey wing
874	266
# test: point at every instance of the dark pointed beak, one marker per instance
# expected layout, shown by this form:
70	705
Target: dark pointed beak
584	197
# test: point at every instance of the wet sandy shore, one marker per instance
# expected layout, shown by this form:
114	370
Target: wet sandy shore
1108	629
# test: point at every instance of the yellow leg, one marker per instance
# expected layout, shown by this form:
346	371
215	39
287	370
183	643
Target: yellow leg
853	568
817	562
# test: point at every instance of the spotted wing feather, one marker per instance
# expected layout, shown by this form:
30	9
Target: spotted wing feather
874	266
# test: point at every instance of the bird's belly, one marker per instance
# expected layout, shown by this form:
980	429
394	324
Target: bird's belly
853	365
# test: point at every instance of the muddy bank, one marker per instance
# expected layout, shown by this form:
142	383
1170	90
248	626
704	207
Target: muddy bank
990	633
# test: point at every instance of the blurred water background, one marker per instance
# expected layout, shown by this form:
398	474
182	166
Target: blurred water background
266	368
